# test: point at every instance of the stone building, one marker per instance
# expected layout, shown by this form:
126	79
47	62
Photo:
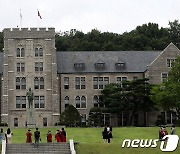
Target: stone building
57	78
29	61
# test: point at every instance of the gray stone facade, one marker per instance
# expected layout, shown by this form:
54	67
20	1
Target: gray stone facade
29	55
30	60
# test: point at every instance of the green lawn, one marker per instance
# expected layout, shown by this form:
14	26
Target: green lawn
90	140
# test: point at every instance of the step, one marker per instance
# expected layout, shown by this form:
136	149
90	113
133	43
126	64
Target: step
51	148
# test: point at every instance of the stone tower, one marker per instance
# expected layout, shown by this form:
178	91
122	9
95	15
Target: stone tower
30	62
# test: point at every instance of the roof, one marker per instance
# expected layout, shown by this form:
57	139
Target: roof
135	61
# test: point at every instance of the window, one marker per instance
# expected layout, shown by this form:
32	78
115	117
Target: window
20	52
77	102
38	83
79	66
38	52
39	102
95	82
66	101
83	118
99	66
66	82
164	77
38	66
20	101
119	80
81	102
135	78
100	82
20	67
80	83
106	81
120	66
170	62
20	83
44	121
15	122
96	101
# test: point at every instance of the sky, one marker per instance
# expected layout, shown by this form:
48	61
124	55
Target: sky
115	16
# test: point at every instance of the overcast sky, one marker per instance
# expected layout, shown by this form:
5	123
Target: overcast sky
116	16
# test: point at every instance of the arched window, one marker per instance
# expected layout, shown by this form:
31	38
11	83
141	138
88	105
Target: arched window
83	102
18	52
22	52
96	101
77	102
38	52
66	101
23	83
36	83
18	83
41	83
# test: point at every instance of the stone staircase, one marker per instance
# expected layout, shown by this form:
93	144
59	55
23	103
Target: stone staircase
43	148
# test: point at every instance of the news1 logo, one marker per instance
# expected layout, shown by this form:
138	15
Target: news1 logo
171	142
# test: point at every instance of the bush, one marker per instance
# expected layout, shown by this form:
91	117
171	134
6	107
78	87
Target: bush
4	124
70	117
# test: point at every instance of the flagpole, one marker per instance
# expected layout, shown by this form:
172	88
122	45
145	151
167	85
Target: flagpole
20	19
37	21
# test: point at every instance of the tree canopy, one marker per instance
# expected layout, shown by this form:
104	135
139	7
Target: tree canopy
166	95
70	116
132	96
145	37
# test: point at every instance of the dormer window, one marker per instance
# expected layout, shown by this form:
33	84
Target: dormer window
120	66
99	66
79	66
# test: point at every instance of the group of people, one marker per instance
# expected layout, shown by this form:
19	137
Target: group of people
107	134
6	135
60	136
163	132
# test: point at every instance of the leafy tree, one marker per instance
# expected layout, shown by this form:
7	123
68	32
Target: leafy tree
70	116
166	95
95	117
132	96
174	31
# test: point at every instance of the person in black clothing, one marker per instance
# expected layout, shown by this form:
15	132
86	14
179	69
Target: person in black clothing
37	137
105	135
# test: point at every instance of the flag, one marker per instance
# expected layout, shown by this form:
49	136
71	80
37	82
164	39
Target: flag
39	15
20	15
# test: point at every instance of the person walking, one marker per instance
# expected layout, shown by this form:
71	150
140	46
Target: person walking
9	135
58	136
29	136
49	137
37	137
105	135
2	135
173	130
63	135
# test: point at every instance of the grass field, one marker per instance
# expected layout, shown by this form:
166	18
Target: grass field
90	140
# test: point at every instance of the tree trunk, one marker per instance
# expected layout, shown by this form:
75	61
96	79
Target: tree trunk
132	115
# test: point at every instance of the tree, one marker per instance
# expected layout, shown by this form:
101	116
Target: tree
131	96
95	117
70	116
174	32
166	95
